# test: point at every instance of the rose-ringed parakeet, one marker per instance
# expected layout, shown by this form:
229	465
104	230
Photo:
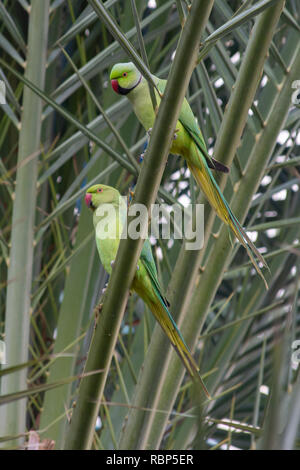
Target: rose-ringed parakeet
188	142
108	224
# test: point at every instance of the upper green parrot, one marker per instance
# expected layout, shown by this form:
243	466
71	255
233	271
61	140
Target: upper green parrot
188	142
108	223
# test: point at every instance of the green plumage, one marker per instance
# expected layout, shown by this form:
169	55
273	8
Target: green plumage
109	213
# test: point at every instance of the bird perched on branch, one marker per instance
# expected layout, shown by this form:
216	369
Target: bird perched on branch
188	142
108	224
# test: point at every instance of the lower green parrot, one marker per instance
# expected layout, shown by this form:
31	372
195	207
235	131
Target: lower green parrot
108	223
188	142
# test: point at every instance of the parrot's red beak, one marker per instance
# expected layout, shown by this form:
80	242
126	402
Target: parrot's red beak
115	85
88	199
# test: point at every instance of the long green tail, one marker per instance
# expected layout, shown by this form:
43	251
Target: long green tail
164	318
214	195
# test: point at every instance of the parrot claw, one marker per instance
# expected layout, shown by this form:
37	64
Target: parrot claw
175	134
149	131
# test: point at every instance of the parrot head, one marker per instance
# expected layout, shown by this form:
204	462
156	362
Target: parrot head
101	194
124	78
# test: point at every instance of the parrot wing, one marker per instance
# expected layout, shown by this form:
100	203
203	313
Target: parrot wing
149	263
188	121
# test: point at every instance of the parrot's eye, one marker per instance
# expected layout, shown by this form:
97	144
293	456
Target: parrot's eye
100	190
124	74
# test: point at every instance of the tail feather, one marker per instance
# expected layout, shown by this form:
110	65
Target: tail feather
213	193
169	326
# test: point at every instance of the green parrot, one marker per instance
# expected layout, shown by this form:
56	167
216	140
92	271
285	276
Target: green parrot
108	224
188	142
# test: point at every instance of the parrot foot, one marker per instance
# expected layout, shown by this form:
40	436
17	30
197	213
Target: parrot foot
175	134
149	131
